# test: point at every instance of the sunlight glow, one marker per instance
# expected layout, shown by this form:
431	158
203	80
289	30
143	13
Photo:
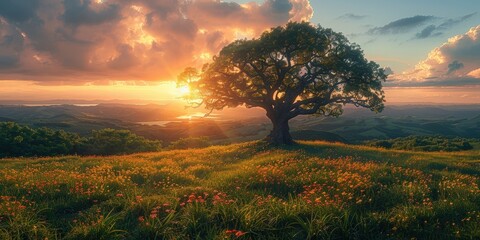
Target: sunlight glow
205	56
139	35
183	91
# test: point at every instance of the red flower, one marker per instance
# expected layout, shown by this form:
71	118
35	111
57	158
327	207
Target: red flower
239	233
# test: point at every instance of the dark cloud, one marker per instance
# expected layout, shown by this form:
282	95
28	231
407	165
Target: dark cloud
218	9
278	10
279	6
8	61
172	27
351	16
11	44
91	40
10	38
427	32
18	10
81	12
164	8
402	25
436	30
219	14
126	58
454	66
451	22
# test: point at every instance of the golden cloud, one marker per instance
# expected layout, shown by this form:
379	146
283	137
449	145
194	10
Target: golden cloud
456	60
86	41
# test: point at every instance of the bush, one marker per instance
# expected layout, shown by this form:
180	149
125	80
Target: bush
425	143
23	141
381	144
114	142
18	140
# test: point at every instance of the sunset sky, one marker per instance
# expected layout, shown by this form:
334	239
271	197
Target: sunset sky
134	49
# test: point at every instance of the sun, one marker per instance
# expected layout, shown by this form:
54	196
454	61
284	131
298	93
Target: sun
183	90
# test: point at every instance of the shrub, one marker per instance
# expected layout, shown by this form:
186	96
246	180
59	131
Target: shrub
114	142
19	140
425	143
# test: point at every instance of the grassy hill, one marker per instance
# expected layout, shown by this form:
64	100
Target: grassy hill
245	191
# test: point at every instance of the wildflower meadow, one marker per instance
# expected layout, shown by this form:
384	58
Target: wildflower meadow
244	191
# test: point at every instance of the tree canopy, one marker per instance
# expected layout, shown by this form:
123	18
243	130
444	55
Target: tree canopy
290	70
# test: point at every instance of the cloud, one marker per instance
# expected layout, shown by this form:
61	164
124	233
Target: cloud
7	61
455	62
454	66
351	16
427	32
19	10
93	41
408	24
475	73
434	30
402	25
11	42
79	12
451	22
301	10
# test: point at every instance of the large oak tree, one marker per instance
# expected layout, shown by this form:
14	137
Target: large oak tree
293	70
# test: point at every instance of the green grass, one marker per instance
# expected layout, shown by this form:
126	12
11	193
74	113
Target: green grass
244	191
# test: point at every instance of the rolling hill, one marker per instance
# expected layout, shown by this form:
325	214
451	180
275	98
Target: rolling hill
240	124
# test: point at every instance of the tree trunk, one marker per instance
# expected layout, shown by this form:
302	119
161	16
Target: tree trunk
280	133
